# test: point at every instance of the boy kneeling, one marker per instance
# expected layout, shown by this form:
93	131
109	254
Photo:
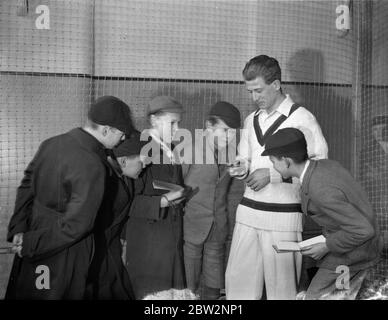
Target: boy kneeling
336	202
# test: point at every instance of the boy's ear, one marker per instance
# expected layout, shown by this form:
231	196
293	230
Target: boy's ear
208	124
276	84
288	161
121	161
104	131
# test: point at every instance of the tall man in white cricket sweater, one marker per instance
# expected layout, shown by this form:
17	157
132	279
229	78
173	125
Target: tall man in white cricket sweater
270	209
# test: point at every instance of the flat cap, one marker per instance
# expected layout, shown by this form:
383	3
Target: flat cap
111	111
164	103
287	142
227	112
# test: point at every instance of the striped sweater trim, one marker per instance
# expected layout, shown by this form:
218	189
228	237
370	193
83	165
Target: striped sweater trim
267	206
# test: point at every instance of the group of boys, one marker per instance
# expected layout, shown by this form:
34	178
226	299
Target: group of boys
67	208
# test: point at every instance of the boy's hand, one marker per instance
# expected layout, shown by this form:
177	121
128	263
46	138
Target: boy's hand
173	197
258	179
237	168
17	242
316	251
17	239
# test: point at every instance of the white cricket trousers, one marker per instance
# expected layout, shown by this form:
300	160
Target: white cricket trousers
253	262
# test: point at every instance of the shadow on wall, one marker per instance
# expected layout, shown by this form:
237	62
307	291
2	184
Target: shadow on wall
331	106
329	102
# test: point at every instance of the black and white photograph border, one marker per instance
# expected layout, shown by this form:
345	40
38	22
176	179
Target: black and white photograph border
67	64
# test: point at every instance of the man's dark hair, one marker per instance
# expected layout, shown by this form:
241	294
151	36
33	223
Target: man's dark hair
262	66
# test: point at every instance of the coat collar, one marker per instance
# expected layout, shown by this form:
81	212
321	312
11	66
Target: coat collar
88	142
307	176
92	145
305	198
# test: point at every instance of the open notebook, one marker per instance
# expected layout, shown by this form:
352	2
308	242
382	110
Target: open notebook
163	185
290	246
188	192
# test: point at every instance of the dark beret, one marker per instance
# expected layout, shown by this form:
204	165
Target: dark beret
227	113
111	111
287	142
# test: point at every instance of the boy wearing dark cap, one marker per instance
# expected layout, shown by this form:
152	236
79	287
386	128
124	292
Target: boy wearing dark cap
337	203
205	220
65	187
129	157
108	278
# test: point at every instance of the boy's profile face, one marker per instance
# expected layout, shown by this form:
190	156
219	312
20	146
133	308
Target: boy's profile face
221	133
281	166
131	166
111	137
166	124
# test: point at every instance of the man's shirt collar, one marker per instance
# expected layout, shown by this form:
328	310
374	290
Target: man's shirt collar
284	108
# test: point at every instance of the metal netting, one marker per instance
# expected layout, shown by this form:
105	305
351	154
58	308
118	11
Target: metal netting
193	50
373	156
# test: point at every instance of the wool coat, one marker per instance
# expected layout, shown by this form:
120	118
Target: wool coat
153	234
65	187
108	278
336	202
209	207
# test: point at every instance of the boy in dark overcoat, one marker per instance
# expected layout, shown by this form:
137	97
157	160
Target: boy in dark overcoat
108	278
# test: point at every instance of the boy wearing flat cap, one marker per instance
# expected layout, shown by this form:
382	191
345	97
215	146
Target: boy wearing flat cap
337	203
67	185
206	214
154	230
108	278
129	157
